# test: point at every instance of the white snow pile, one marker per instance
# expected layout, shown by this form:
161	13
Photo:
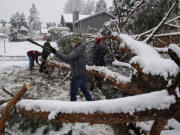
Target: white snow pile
175	48
149	59
126	105
117	76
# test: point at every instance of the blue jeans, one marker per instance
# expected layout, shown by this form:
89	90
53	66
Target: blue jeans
76	83
31	62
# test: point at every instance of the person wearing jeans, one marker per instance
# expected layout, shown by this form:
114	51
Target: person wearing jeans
77	61
33	55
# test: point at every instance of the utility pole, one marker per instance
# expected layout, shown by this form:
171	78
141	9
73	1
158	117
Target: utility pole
4	31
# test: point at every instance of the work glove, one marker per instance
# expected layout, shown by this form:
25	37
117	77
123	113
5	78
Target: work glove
52	50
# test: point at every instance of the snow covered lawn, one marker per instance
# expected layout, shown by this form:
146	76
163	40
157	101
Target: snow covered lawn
19	48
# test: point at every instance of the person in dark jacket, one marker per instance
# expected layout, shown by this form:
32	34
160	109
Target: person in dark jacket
45	53
33	55
98	53
77	61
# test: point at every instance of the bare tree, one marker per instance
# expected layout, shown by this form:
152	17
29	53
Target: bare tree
89	7
101	5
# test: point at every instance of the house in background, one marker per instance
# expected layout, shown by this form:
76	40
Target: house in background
85	23
67	19
93	23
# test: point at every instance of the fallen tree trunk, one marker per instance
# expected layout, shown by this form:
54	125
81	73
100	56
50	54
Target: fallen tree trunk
6	112
103	118
129	87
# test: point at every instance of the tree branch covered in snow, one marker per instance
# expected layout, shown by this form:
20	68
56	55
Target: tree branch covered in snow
161	23
131	13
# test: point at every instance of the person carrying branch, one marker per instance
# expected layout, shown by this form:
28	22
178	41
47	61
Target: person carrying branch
77	61
45	53
33	55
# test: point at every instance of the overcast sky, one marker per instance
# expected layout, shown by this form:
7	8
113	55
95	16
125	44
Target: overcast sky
49	10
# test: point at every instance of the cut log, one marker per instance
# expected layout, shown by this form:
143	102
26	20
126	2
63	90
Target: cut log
6	112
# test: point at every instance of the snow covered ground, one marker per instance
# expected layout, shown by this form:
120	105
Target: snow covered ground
14	73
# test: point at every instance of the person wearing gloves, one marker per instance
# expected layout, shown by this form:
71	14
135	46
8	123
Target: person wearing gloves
77	61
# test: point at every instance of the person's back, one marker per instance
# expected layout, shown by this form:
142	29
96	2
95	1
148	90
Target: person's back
98	53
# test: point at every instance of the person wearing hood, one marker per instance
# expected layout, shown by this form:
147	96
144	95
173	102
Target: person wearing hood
77	61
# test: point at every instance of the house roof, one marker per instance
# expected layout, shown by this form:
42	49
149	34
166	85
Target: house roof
91	16
68	18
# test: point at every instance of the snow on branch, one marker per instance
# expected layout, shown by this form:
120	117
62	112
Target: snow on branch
174	19
172	25
131	13
128	109
148	58
160	24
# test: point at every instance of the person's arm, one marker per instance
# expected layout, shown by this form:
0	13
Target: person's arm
68	57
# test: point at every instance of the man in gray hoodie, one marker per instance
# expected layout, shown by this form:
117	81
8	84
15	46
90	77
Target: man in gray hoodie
77	61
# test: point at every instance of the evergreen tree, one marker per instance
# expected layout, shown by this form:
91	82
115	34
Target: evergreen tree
101	5
80	5
34	20
19	27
